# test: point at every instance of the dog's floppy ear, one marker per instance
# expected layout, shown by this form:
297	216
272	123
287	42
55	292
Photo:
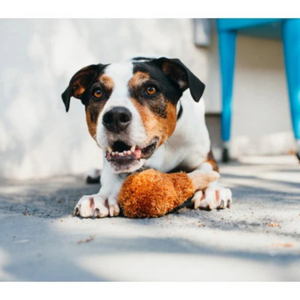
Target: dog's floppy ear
79	83
180	74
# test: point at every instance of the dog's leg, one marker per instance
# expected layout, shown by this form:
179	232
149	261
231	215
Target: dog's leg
214	196
105	202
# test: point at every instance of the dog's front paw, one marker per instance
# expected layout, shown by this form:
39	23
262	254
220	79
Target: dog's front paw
213	197
96	206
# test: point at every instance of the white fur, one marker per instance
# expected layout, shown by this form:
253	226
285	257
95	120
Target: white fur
121	74
187	147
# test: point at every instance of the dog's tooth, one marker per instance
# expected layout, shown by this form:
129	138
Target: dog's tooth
109	149
121	154
132	149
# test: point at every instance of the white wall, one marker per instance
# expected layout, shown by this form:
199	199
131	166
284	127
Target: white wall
38	58
262	121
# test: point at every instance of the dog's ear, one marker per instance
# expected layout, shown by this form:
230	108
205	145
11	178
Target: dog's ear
79	83
180	74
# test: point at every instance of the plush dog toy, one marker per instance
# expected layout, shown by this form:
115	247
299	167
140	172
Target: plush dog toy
151	194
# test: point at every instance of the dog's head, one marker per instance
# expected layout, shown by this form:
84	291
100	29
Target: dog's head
131	107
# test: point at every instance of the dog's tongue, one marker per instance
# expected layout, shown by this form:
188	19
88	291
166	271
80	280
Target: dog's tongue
138	153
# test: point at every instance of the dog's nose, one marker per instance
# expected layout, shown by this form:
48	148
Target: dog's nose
117	119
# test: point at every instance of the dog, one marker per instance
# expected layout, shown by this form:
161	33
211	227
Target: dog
144	113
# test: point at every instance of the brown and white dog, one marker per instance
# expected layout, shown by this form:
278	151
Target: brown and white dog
144	113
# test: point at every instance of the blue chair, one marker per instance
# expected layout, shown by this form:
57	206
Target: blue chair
289	31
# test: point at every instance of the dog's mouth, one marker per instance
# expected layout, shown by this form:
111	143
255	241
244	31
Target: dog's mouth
122	152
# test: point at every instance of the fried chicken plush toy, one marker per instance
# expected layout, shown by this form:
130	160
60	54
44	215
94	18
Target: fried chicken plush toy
150	194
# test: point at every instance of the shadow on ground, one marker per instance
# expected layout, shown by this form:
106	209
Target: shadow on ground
260	234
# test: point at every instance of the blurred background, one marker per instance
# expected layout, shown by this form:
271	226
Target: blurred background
38	57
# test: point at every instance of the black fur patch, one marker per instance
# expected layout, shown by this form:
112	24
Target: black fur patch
94	106
141	58
94	109
159	107
166	74
167	87
179	112
83	79
171	77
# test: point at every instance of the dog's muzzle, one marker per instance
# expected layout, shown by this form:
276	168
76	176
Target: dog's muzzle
122	153
127	158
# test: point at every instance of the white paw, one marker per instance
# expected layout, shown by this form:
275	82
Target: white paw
96	206
213	197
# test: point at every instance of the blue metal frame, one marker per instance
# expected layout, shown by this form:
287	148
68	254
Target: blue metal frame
227	31
291	46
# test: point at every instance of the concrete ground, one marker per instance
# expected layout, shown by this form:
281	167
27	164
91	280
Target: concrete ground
258	239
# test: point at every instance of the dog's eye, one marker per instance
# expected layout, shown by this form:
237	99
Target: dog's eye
151	90
97	93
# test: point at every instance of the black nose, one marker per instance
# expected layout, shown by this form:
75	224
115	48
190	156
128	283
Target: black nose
117	119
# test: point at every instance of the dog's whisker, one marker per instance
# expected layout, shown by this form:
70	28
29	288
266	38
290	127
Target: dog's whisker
168	142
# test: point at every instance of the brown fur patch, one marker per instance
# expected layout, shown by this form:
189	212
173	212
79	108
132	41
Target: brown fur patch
94	108
158	115
77	89
211	160
81	79
106	81
92	126
138	79
93	111
155	125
